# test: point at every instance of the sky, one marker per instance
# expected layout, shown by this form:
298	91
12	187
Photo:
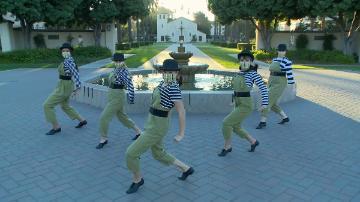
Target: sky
186	8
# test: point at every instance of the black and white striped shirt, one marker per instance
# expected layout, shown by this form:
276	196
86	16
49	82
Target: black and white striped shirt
252	77
122	77
169	93
70	70
285	65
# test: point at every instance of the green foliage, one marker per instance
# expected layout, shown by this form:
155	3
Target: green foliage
52	55
135	45
123	46
301	41
328	42
203	23
308	56
39	41
264	55
244	46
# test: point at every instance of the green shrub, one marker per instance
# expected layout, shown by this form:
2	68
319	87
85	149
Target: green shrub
231	45
52	55
244	46
123	46
135	45
264	55
301	41
328	42
39	41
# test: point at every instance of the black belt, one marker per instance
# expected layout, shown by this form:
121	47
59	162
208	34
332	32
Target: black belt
241	94
62	77
117	86
277	73
157	112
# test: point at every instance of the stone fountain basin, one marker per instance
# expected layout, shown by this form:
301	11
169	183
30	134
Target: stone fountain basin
190	68
197	102
181	56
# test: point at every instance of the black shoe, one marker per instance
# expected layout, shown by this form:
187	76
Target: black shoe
101	145
136	137
253	146
261	125
224	152
284	120
135	186
81	124
184	175
53	131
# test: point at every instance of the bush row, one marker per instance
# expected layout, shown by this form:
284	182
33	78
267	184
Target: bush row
43	55
308	56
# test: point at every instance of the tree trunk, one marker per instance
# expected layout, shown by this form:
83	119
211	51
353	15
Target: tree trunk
137	30
26	29
129	30
97	34
119	32
266	31
348	36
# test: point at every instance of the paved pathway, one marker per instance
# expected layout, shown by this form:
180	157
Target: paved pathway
198	57
315	157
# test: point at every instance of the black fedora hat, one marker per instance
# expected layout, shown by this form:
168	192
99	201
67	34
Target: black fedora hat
245	53
118	57
170	65
281	47
67	45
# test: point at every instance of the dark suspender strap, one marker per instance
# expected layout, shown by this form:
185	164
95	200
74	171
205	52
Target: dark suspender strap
242	94
62	77
277	73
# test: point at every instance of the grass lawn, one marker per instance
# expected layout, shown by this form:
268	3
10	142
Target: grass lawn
332	67
143	54
220	55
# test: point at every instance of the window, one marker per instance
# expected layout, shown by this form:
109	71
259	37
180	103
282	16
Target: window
189	34
172	34
200	38
162	38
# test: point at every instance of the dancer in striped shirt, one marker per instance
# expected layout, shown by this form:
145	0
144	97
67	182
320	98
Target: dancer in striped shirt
165	96
68	73
242	84
280	75
119	80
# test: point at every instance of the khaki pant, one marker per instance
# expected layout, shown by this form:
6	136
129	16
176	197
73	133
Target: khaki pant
61	95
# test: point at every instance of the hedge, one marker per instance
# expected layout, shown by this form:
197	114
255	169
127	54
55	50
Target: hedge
52	55
308	56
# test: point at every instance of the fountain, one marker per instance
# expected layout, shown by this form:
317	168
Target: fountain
210	91
187	70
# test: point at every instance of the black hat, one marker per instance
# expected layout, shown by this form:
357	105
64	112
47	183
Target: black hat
118	57
245	53
281	47
170	65
67	45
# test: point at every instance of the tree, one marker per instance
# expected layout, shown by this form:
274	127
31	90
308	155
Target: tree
345	13
203	23
95	13
264	14
28	12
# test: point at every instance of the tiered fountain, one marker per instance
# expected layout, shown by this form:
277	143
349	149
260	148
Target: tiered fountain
187	70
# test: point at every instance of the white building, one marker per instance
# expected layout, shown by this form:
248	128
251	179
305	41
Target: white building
170	30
